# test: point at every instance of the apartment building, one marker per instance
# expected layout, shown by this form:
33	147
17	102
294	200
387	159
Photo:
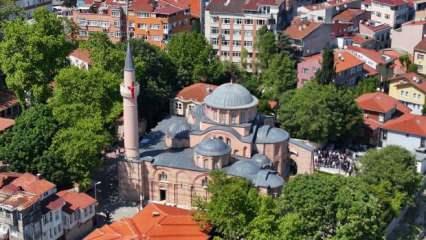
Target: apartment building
377	31
325	11
391	12
351	16
419	57
31	208
30	6
231	25
408	36
410	89
348	68
156	21
309	37
104	16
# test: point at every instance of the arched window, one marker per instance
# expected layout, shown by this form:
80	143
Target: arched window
204	182
206	163
228	141
162	176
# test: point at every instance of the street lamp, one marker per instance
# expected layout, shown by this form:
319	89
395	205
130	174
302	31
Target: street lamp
97	183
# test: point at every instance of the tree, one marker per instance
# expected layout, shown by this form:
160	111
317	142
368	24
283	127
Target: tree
81	94
284	46
328	207
327	73
264	226
232	206
265	46
23	146
32	54
9	10
193	63
279	77
79	148
424	110
396	186
320	113
366	85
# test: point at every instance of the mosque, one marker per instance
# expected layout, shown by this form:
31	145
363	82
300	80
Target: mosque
171	163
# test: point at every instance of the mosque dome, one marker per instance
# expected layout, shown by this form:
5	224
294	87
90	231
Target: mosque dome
261	160
212	147
268	178
244	168
231	96
178	129
268	134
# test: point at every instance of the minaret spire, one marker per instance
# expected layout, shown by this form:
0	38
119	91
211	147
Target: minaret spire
129	90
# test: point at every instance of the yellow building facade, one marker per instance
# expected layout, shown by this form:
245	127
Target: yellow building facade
409	89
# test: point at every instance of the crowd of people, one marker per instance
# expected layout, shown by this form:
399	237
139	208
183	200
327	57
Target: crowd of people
336	159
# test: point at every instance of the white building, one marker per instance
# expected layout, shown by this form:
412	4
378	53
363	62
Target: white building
409	132
30	6
325	11
231	25
391	12
80	58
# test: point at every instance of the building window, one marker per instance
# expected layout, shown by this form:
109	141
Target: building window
238	21
387	16
204	182
236	54
236	43
233	117
162	176
423	142
226	31
378	14
305	70
248	43
260	22
213	41
156	38
155	26
248	21
226	20
115	13
163	195
178	105
143	14
83	33
225	42
222	117
248	33
237	32
385	135
214	30
142	26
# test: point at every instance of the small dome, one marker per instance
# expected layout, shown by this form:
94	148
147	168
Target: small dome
244	168
268	134
262	161
268	178
231	96
178	129
212	147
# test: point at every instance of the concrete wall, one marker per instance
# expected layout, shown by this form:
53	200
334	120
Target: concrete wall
409	142
407	37
318	40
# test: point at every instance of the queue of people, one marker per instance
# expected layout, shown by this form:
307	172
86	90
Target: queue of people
336	159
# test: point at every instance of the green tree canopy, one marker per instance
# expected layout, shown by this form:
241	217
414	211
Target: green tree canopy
329	207
81	94
9	10
278	78
23	146
232	206
32	54
366	85
194	58
327	73
320	113
391	173
265	46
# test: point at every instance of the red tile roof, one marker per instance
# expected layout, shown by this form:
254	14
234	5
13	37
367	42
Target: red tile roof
369	70
372	54
413	79
380	102
348	15
167	10
376	27
409	124
33	184
55	203
344	61
421	46
82	54
391	2
142	5
7	100
153	222
196	92
299	29
6	123
76	200
359	39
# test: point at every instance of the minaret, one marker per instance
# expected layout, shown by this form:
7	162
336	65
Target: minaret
129	90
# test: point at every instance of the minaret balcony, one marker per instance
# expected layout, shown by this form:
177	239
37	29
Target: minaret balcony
129	91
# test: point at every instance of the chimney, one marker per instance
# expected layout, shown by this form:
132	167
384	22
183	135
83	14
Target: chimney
155	214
